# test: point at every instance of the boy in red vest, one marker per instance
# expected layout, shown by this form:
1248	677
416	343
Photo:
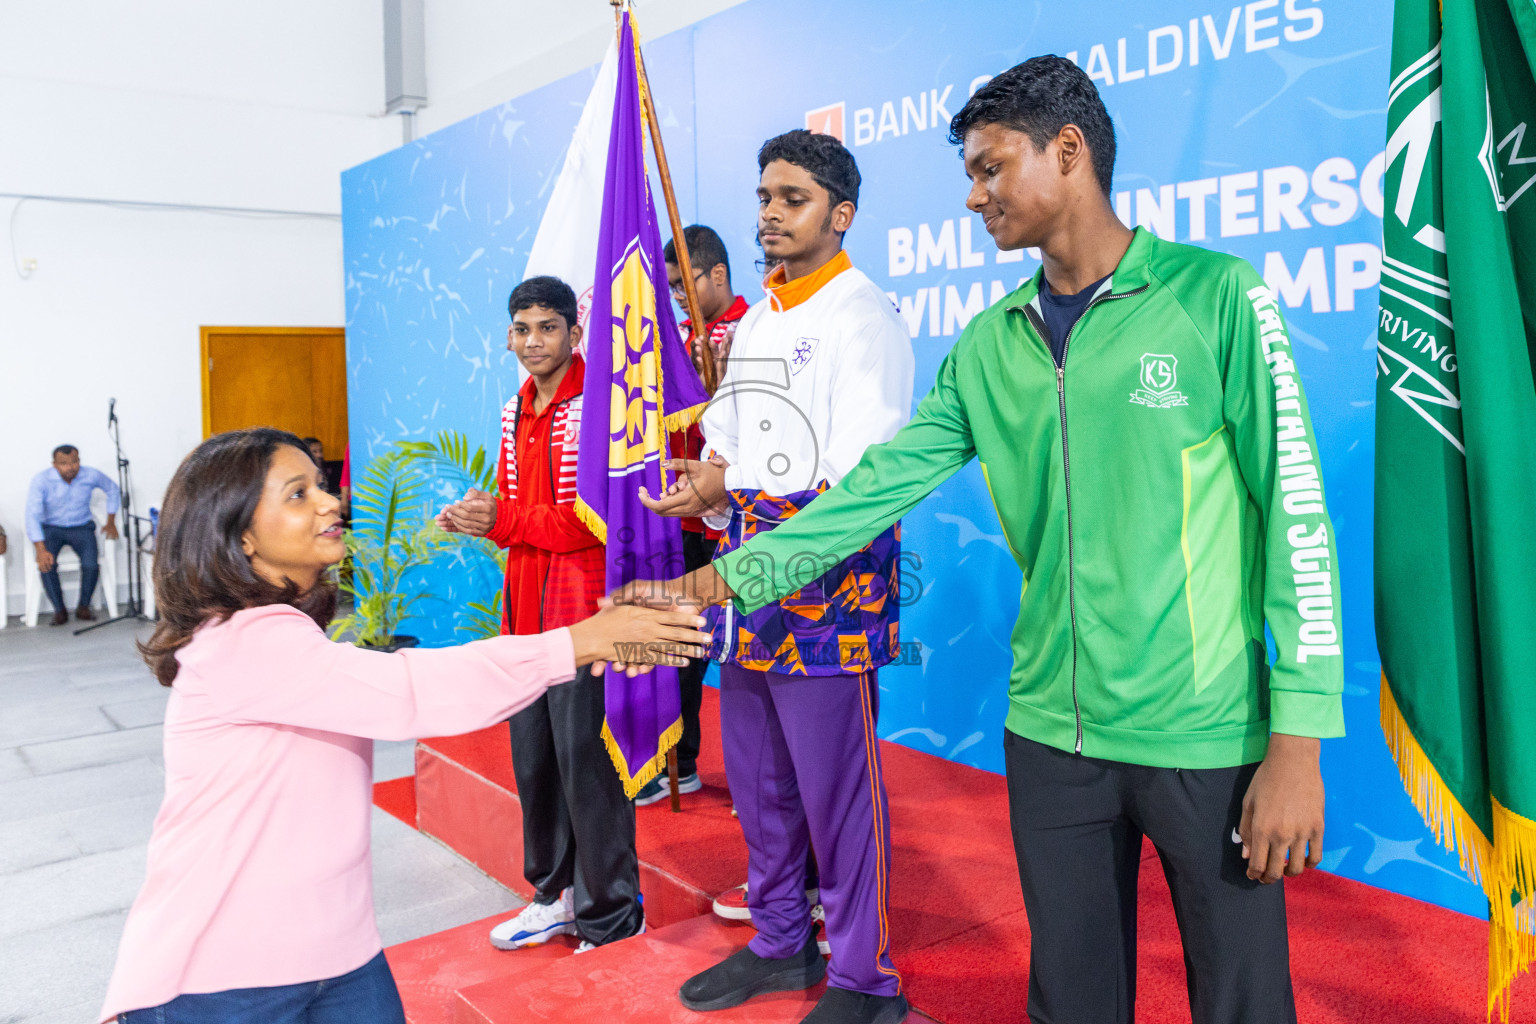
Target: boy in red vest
578	829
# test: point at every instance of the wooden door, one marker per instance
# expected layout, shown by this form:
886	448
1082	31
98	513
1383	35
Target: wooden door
294	378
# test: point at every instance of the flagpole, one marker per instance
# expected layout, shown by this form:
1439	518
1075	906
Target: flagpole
684	263
679	243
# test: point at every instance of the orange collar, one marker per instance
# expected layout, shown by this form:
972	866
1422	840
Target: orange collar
784	294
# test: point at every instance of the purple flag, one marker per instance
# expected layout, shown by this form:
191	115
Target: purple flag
640	385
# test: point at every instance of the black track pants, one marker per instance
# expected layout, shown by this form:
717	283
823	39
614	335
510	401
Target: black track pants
578	829
1077	824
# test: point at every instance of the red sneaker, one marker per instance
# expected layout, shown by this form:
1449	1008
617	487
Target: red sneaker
732	904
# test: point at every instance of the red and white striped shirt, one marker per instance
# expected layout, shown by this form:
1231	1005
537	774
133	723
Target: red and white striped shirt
555	565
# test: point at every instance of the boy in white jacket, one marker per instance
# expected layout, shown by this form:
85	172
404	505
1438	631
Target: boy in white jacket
820	370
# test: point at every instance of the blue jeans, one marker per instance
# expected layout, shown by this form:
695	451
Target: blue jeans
83	539
367	994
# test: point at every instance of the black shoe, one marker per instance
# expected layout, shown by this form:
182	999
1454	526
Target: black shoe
60	618
744	974
84	614
657	790
840	1006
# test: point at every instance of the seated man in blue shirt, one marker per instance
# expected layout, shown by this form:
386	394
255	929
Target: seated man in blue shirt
59	514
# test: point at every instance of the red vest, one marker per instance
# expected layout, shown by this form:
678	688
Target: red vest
555	566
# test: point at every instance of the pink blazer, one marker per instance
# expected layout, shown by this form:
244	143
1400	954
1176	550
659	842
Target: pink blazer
259	868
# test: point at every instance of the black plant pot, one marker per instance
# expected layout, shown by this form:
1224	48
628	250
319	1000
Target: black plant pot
395	644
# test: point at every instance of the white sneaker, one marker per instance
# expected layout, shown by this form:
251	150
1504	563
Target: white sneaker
587	947
537	923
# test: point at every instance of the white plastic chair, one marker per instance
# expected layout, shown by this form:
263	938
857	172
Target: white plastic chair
148	584
5	594
68	562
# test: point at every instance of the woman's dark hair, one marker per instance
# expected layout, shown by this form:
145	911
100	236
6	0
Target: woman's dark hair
1039	97
550	292
821	156
201	571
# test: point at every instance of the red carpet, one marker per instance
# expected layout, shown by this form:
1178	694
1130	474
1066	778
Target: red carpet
398	797
1359	955
433	970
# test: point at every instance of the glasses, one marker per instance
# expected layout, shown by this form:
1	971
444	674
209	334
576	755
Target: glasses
679	293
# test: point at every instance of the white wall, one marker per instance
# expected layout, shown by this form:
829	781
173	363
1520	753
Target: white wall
258	106
481	52
215	103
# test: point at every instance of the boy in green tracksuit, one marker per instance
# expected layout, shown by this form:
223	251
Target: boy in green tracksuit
1141	425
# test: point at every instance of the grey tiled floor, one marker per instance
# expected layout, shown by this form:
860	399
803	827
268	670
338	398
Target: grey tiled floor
80	780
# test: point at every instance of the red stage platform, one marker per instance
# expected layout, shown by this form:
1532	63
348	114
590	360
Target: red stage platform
959	935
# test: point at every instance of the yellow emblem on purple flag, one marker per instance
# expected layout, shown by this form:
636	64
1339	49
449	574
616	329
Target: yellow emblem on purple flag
634	421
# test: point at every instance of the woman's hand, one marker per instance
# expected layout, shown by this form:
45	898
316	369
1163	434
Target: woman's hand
637	637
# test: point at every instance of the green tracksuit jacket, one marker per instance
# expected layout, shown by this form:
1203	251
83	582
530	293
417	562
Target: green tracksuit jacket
1162	495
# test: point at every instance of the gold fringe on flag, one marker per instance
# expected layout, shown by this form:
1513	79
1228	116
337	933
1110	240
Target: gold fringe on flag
1453	827
683	419
1512	935
644	773
591	520
1503	868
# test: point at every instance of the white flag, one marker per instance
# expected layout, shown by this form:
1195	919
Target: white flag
566	243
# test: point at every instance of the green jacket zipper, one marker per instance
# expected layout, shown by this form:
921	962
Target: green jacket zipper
1066	471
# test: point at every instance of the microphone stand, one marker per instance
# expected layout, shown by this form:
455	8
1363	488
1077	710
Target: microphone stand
132	532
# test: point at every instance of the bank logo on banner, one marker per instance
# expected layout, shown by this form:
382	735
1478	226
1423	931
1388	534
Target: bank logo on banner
1159	378
826	121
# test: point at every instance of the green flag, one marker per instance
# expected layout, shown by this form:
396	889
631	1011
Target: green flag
1456	447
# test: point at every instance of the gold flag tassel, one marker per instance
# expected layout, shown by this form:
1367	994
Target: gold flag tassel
648	770
591	520
1505	869
1512	918
683	418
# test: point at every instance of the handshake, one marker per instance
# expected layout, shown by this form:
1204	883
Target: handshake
649	622
641	624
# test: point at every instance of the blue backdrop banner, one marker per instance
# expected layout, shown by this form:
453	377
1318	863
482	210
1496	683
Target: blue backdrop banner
1256	129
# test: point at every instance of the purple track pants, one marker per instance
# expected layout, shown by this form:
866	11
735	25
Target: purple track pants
804	766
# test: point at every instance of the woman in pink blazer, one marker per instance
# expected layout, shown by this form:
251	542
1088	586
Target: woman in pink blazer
258	901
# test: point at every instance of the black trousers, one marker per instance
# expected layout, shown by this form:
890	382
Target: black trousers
697	552
1077	824
578	828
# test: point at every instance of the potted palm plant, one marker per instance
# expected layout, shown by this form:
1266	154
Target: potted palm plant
447	458
387	545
